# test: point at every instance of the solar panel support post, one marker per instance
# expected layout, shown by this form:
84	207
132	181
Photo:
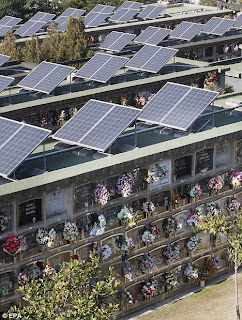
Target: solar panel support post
174	67
9	93
212	114
135	135
44	156
70	83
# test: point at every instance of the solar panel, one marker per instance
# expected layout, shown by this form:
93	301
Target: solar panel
116	41
211	24
3	59
152	35
101	8
96	125
238	22
17	141
186	30
33	25
101	67
130	5
151	12
223	27
6	24
62	20
177	106
45	77
151	58
95	19
123	15
4	82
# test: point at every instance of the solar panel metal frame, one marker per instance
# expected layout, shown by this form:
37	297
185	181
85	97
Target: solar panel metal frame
3	59
34	24
192	31
151	12
211	24
172	108
5	82
118	41
45	72
152	32
146	49
223	27
84	112
107	60
13	134
130	5
123	15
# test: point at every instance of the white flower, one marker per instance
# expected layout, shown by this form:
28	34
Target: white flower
70	231
3	222
191	272
148	237
44	237
106	251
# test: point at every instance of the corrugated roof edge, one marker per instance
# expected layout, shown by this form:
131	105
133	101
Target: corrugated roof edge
51	177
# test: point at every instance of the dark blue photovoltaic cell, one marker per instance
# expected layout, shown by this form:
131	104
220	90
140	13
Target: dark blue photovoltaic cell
151	12
17	141
3	59
116	41
180	29
45	77
97	15
4	82
83	121
238	22
152	35
6	24
224	26
211	24
123	15
163	101
97	125
192	31
101	67
177	106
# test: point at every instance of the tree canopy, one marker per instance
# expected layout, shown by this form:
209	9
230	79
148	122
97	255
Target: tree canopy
79	291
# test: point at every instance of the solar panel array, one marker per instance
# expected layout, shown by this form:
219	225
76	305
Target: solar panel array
218	26
34	24
3	59
130	5
123	15
5	82
62	20
152	35
151	12
101	67
177	106
186	30
17	141
45	77
238	22
116	41
96	125
151	58
97	15
6	24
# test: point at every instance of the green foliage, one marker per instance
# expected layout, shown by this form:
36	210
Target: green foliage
9	47
13	8
77	291
210	3
228	88
32	50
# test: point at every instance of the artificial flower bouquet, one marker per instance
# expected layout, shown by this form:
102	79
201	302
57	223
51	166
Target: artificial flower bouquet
13	244
233	204
193	243
70	231
44	237
215	183
191	272
196	191
171	225
101	194
171	252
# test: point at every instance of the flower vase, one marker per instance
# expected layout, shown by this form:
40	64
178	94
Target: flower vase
202	282
184	202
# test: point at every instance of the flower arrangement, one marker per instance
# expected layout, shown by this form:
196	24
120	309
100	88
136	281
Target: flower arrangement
196	191
12	244
44	237
148	207
125	184
171	281
48	271
151	177
176	199
5	289
191	272
171	225
127	271
215	183
211	77
213	209
193	218
106	251
232	204
193	242
148	263
217	262
98	228
171	252
130	298
70	231
22	279
101	194
149	235
235	179
156	173
126	214
127	244
3	222
149	289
